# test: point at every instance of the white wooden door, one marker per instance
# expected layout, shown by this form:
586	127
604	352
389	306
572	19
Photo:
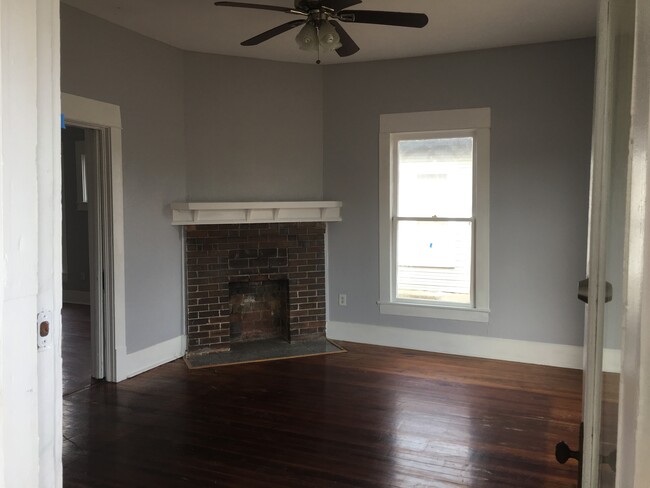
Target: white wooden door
608	239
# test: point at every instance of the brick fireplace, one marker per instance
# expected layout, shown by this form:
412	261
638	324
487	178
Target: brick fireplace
250	281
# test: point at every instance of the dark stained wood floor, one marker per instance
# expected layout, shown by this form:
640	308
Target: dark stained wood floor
75	348
373	417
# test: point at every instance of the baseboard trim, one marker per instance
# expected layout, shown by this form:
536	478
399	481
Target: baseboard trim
559	355
140	361
76	297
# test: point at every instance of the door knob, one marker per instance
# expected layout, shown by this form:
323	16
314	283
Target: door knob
583	291
563	453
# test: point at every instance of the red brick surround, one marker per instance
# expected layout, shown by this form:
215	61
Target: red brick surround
216	255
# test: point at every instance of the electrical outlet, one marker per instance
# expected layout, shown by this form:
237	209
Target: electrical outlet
343	300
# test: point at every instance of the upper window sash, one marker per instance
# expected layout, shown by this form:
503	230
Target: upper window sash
396	138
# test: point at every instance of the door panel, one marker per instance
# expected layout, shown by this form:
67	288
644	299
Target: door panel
622	49
607	241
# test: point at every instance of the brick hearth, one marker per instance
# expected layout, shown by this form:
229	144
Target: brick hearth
218	255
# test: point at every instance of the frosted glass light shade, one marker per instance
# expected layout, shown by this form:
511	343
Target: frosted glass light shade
307	38
328	37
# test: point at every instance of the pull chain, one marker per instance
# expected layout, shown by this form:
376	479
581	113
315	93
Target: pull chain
318	44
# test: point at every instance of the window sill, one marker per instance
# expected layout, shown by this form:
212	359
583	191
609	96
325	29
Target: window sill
434	312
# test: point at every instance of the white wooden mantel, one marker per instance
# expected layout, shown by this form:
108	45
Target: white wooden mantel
205	213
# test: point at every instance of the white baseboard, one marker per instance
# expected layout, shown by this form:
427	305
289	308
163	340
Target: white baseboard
77	297
560	355
154	356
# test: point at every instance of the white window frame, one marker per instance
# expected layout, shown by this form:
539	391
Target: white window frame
456	123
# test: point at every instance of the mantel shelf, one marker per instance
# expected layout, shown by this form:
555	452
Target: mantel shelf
206	213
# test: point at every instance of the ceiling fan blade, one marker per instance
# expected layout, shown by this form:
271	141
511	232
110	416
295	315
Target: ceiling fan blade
401	19
337	5
258	6
348	46
265	36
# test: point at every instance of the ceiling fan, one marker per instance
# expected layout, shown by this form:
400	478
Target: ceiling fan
320	20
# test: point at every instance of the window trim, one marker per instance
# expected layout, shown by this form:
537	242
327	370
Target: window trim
476	122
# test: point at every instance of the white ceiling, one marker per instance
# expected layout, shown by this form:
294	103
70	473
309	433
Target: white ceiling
454	25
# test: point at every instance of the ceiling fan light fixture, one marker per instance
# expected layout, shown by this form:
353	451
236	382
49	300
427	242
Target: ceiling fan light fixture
320	27
328	38
307	38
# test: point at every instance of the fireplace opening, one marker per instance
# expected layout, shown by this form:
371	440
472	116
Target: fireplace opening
259	310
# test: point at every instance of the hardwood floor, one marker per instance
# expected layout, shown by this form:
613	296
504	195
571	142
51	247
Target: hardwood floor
75	348
374	417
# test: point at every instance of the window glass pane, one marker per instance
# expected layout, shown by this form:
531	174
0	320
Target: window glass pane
435	177
434	261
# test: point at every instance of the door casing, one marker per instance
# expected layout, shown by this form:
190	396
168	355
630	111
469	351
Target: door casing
106	148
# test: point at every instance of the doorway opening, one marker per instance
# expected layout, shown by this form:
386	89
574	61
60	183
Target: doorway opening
84	227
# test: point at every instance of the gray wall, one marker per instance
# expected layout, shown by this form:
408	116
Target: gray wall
541	100
208	127
145	78
254	129
195	127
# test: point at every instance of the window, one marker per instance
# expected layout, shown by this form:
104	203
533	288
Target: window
434	211
82	176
